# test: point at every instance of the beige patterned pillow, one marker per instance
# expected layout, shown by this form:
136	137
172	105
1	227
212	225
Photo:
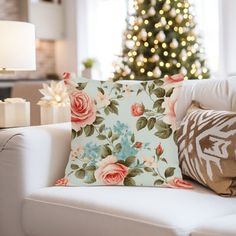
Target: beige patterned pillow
207	148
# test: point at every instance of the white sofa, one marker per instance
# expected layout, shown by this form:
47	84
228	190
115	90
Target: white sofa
31	159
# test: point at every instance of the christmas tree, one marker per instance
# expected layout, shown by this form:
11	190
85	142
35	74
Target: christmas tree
161	40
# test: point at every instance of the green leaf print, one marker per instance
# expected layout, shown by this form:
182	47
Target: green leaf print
141	123
151	123
158	182
169	172
130	160
74	167
80	174
89	130
129	182
98	120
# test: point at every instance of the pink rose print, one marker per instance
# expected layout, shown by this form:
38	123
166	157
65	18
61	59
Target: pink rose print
110	172
83	110
66	77
138	145
159	150
76	152
62	182
102	100
179	183
68	81
150	162
170	105
174	79
137	109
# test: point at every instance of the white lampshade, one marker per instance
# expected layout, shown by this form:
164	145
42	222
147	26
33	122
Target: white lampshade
17	46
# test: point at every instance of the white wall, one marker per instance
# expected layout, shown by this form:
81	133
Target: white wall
71	51
228	36
66	50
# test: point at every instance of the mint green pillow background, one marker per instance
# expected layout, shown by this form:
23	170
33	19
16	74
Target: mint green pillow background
129	142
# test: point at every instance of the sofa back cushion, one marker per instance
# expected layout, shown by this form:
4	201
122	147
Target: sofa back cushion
211	93
232	92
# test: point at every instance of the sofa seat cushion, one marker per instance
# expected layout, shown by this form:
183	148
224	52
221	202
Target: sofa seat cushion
222	226
122	211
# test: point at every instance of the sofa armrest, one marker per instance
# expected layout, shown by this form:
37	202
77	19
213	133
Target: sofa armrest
30	158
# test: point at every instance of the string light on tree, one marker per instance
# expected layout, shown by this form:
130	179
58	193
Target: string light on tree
164	45
161	40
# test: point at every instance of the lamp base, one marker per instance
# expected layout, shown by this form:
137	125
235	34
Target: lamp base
4	71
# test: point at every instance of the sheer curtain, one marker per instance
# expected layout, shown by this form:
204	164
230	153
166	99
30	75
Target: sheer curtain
207	15
106	24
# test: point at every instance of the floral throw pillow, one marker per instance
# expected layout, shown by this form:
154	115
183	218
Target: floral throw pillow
123	134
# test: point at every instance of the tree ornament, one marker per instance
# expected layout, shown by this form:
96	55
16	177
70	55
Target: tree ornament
172	13
143	34
174	44
163	21
175	62
183	70
161	36
199	71
140	58
139	21
153	2
157	72
130	44
127	70
179	18
183	53
166	7
198	64
151	11
154	58
126	59
140	1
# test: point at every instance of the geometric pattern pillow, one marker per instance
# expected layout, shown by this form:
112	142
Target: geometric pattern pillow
207	149
123	134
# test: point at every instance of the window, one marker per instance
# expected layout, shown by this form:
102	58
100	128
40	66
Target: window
207	18
106	24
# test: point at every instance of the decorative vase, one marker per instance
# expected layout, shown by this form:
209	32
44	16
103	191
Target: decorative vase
14	114
87	73
54	114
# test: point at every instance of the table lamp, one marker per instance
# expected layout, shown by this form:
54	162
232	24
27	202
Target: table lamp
17	46
17	53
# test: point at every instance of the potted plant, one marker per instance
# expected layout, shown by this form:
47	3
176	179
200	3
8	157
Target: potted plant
88	67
